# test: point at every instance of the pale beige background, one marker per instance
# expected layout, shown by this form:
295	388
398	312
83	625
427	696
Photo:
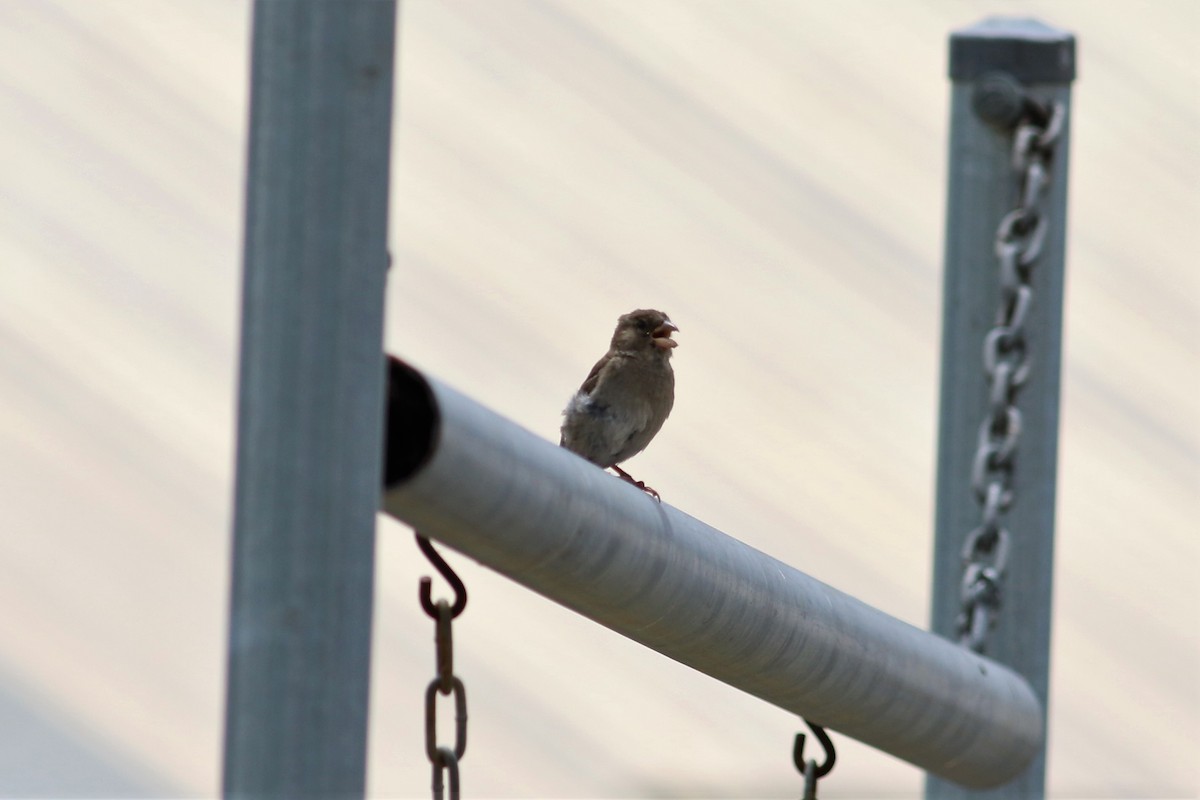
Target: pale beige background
770	173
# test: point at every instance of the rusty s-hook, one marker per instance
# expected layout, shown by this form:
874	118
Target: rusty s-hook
809	768
460	591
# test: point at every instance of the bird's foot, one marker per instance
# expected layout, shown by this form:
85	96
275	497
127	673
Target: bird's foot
625	476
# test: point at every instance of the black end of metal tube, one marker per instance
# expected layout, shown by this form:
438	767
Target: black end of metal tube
411	424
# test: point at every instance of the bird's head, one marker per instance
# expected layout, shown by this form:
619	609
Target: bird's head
645	329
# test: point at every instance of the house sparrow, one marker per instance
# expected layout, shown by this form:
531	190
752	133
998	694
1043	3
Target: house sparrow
627	395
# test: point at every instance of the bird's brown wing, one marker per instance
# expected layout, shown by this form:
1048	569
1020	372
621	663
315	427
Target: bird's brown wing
589	385
593	378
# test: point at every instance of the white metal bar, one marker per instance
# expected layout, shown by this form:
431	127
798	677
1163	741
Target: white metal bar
549	520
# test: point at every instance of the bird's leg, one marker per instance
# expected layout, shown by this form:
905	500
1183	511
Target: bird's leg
625	476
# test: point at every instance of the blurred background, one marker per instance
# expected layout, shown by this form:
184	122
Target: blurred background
770	173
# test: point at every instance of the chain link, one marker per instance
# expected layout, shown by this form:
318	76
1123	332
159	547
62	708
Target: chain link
1020	237
445	683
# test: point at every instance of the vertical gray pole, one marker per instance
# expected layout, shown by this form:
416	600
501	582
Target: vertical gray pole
982	189
310	401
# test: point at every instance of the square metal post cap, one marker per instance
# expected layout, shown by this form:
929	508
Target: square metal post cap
1029	50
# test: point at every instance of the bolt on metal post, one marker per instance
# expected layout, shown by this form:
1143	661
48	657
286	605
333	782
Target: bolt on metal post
1001	354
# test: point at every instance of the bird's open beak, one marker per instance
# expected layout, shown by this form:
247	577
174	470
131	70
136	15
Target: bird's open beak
662	335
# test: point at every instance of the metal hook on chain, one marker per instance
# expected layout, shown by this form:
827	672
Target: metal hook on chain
809	767
444	759
1054	127
460	590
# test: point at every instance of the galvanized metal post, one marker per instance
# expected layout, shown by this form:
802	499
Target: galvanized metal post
310	403
982	190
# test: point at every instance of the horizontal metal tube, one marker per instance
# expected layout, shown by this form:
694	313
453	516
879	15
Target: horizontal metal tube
556	524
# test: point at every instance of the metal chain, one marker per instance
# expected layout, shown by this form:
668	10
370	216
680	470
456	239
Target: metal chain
444	759
1020	237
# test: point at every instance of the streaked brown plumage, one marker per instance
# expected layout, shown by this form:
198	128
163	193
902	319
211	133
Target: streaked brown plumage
626	397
